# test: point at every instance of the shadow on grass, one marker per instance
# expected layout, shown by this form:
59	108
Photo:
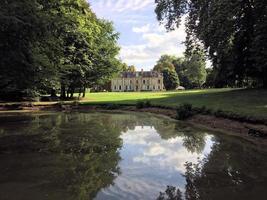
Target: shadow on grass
250	102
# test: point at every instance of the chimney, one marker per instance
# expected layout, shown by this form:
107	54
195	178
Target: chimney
142	70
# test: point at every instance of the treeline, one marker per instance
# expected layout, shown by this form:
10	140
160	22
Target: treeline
53	47
232	33
189	72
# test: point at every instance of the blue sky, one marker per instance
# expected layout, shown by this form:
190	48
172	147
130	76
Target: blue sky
142	39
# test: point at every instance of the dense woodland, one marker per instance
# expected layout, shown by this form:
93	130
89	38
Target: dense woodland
53	46
232	33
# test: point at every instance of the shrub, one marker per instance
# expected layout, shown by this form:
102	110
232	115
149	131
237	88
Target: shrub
140	104
184	112
143	104
112	106
147	104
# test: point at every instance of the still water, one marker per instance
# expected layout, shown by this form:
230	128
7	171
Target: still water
79	155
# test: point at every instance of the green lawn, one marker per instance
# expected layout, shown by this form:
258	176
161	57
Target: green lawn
241	101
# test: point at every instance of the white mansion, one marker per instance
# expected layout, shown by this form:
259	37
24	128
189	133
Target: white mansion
138	81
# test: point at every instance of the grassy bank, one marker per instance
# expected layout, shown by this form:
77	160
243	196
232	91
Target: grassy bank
239	101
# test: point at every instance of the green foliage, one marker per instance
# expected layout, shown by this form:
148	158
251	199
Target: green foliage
170	79
143	104
184	112
54	47
126	68
195	70
233	33
165	61
190	70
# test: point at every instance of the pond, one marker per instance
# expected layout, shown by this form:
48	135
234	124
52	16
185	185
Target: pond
87	155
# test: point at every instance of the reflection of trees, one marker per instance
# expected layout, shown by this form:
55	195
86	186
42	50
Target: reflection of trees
77	153
171	193
84	147
231	171
193	140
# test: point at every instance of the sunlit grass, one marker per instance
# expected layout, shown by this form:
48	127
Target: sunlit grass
247	102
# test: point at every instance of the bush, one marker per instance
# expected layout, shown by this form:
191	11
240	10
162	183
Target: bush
184	112
147	104
143	104
112	106
140	104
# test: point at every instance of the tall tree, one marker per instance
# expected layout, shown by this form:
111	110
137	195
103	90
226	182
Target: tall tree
170	79
132	68
228	30
50	46
196	70
165	61
22	57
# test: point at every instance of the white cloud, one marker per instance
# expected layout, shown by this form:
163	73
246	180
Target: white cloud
142	29
167	154
142	39
124	5
156	42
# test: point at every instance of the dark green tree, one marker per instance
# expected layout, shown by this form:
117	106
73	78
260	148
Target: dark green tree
170	79
50	47
229	31
24	42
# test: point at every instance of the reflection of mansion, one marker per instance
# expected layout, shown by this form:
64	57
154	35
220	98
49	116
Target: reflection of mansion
138	81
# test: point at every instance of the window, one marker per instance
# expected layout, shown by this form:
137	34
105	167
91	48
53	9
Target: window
115	88
154	87
130	81
159	81
147	87
144	81
159	87
120	87
126	87
137	82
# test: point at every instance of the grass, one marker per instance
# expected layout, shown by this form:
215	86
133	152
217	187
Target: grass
240	101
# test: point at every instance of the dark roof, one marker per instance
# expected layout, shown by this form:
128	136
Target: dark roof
144	74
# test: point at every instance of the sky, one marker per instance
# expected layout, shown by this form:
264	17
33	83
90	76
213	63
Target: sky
142	39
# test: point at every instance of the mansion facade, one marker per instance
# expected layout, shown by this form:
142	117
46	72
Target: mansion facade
138	81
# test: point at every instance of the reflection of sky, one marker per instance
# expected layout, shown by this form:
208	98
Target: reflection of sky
150	163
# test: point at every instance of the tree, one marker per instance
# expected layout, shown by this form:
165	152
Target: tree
165	61
170	79
132	68
24	62
195	70
229	31
50	46
210	78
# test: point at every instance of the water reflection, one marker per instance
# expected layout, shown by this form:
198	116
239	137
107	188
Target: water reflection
150	162
123	156
58	156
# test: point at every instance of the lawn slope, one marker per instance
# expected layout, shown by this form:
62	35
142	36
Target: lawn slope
241	101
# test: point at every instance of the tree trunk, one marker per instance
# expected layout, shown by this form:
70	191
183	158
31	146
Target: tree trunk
72	93
53	93
63	92
80	92
265	82
84	91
